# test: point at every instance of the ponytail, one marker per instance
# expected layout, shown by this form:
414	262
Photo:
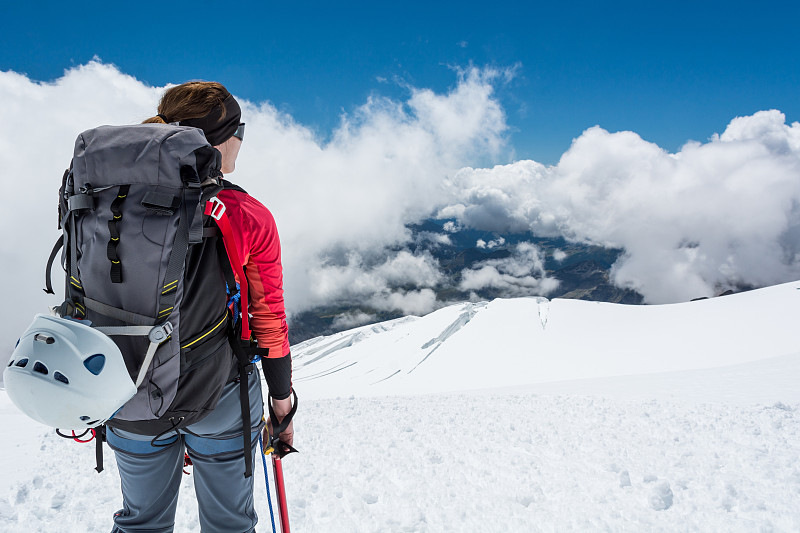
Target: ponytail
158	119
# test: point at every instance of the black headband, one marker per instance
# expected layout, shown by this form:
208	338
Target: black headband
218	129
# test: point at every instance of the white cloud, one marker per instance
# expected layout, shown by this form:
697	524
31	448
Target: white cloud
411	302
710	216
437	239
377	285
692	223
451	227
494	243
520	274
420	270
352	319
383	167
559	255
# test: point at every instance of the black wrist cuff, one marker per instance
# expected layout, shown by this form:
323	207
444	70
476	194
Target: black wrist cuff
278	374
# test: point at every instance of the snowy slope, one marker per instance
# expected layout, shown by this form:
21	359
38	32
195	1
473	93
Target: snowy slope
509	416
532	340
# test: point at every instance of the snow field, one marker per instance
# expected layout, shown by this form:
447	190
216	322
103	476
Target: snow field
505	462
522	415
489	462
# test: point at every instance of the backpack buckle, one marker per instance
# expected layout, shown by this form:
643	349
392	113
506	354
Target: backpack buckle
214	208
160	333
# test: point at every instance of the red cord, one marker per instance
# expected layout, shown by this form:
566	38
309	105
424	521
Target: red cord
76	439
186	462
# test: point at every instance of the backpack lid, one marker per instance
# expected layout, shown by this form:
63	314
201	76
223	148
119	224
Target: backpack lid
141	154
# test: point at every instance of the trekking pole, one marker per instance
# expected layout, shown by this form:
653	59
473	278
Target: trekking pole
277	449
280	493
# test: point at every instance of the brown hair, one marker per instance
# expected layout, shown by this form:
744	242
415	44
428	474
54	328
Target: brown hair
193	99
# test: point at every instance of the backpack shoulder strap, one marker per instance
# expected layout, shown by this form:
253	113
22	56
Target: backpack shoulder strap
217	210
228	186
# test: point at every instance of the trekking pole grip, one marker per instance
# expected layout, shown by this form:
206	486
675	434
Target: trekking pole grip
281	448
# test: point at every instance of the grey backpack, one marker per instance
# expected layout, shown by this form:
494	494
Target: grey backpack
146	264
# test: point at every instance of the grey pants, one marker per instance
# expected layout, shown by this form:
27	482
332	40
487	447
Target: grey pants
151	476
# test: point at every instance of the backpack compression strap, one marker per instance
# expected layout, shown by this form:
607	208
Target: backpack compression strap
177	259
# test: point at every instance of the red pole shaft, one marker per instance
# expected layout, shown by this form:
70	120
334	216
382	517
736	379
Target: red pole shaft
280	489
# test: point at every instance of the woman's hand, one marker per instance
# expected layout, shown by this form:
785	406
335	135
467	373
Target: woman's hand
281	409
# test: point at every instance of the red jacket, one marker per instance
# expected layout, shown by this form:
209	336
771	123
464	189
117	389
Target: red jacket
259	251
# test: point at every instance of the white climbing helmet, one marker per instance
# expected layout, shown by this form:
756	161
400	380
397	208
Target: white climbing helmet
67	375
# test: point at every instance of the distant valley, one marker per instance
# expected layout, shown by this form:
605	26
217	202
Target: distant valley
582	271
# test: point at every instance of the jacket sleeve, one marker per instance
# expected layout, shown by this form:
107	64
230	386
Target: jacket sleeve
259	250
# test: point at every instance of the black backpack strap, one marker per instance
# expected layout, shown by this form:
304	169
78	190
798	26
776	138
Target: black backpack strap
100	438
244	359
245	366
245	353
70	204
74	287
227	271
228	186
48	283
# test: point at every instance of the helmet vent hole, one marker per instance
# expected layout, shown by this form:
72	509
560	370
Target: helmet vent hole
22	362
84	418
11	362
58	376
40	368
95	363
92	423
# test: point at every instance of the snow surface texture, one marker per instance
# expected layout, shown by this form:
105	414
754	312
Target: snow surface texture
513	415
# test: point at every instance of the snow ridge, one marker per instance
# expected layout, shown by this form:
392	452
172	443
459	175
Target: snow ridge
340	341
544	310
469	312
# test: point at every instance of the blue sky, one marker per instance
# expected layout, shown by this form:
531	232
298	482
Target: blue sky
670	71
